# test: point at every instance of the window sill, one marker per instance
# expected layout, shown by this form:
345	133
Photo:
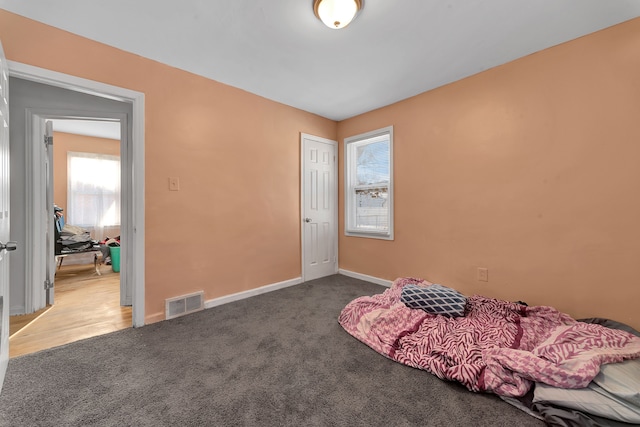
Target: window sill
369	235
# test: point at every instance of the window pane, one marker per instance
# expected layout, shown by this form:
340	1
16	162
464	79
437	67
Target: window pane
373	163
372	211
93	190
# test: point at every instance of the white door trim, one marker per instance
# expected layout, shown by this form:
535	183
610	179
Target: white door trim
303	178
133	259
36	193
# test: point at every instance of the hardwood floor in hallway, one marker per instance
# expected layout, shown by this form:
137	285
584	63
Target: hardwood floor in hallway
86	305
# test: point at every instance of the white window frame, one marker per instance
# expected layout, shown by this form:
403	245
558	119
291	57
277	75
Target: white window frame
350	145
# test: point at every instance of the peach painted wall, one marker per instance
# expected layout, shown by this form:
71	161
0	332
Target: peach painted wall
65	142
235	223
529	169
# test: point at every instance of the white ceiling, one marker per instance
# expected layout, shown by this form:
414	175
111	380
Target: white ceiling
97	128
278	49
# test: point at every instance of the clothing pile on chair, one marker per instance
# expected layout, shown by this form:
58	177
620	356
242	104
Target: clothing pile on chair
73	239
69	238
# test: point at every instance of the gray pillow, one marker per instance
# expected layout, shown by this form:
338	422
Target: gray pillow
434	299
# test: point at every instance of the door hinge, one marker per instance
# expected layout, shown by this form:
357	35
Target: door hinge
48	140
48	284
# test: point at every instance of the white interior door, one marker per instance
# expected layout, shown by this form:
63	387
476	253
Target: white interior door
5	245
319	207
38	250
50	239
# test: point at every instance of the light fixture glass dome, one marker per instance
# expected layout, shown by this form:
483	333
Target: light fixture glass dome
336	14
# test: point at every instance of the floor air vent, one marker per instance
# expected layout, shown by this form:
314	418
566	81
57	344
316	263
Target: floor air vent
185	304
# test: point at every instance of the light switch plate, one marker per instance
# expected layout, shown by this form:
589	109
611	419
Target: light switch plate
174	183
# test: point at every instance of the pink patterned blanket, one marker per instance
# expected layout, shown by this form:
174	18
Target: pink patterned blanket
498	346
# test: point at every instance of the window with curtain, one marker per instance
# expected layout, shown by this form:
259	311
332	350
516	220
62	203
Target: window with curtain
93	194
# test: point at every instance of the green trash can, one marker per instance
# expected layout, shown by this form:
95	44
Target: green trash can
115	257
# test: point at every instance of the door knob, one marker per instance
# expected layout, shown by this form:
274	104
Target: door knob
9	246
307	220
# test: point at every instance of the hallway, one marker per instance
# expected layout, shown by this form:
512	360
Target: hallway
86	305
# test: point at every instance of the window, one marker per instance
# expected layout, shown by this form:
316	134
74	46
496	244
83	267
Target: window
93	191
369	184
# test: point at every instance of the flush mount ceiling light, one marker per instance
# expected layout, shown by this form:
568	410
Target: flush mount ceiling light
336	14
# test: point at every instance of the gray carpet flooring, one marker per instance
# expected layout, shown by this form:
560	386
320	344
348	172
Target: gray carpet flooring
277	359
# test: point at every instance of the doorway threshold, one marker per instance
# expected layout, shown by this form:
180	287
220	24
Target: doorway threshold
20	322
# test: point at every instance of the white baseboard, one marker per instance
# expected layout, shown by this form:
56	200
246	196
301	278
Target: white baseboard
366	278
153	318
273	287
17	311
251	293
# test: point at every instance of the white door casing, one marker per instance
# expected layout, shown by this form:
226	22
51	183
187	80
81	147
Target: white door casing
4	216
40	271
132	250
319	202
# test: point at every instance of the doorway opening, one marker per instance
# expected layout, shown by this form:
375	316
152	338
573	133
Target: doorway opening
85	191
30	202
